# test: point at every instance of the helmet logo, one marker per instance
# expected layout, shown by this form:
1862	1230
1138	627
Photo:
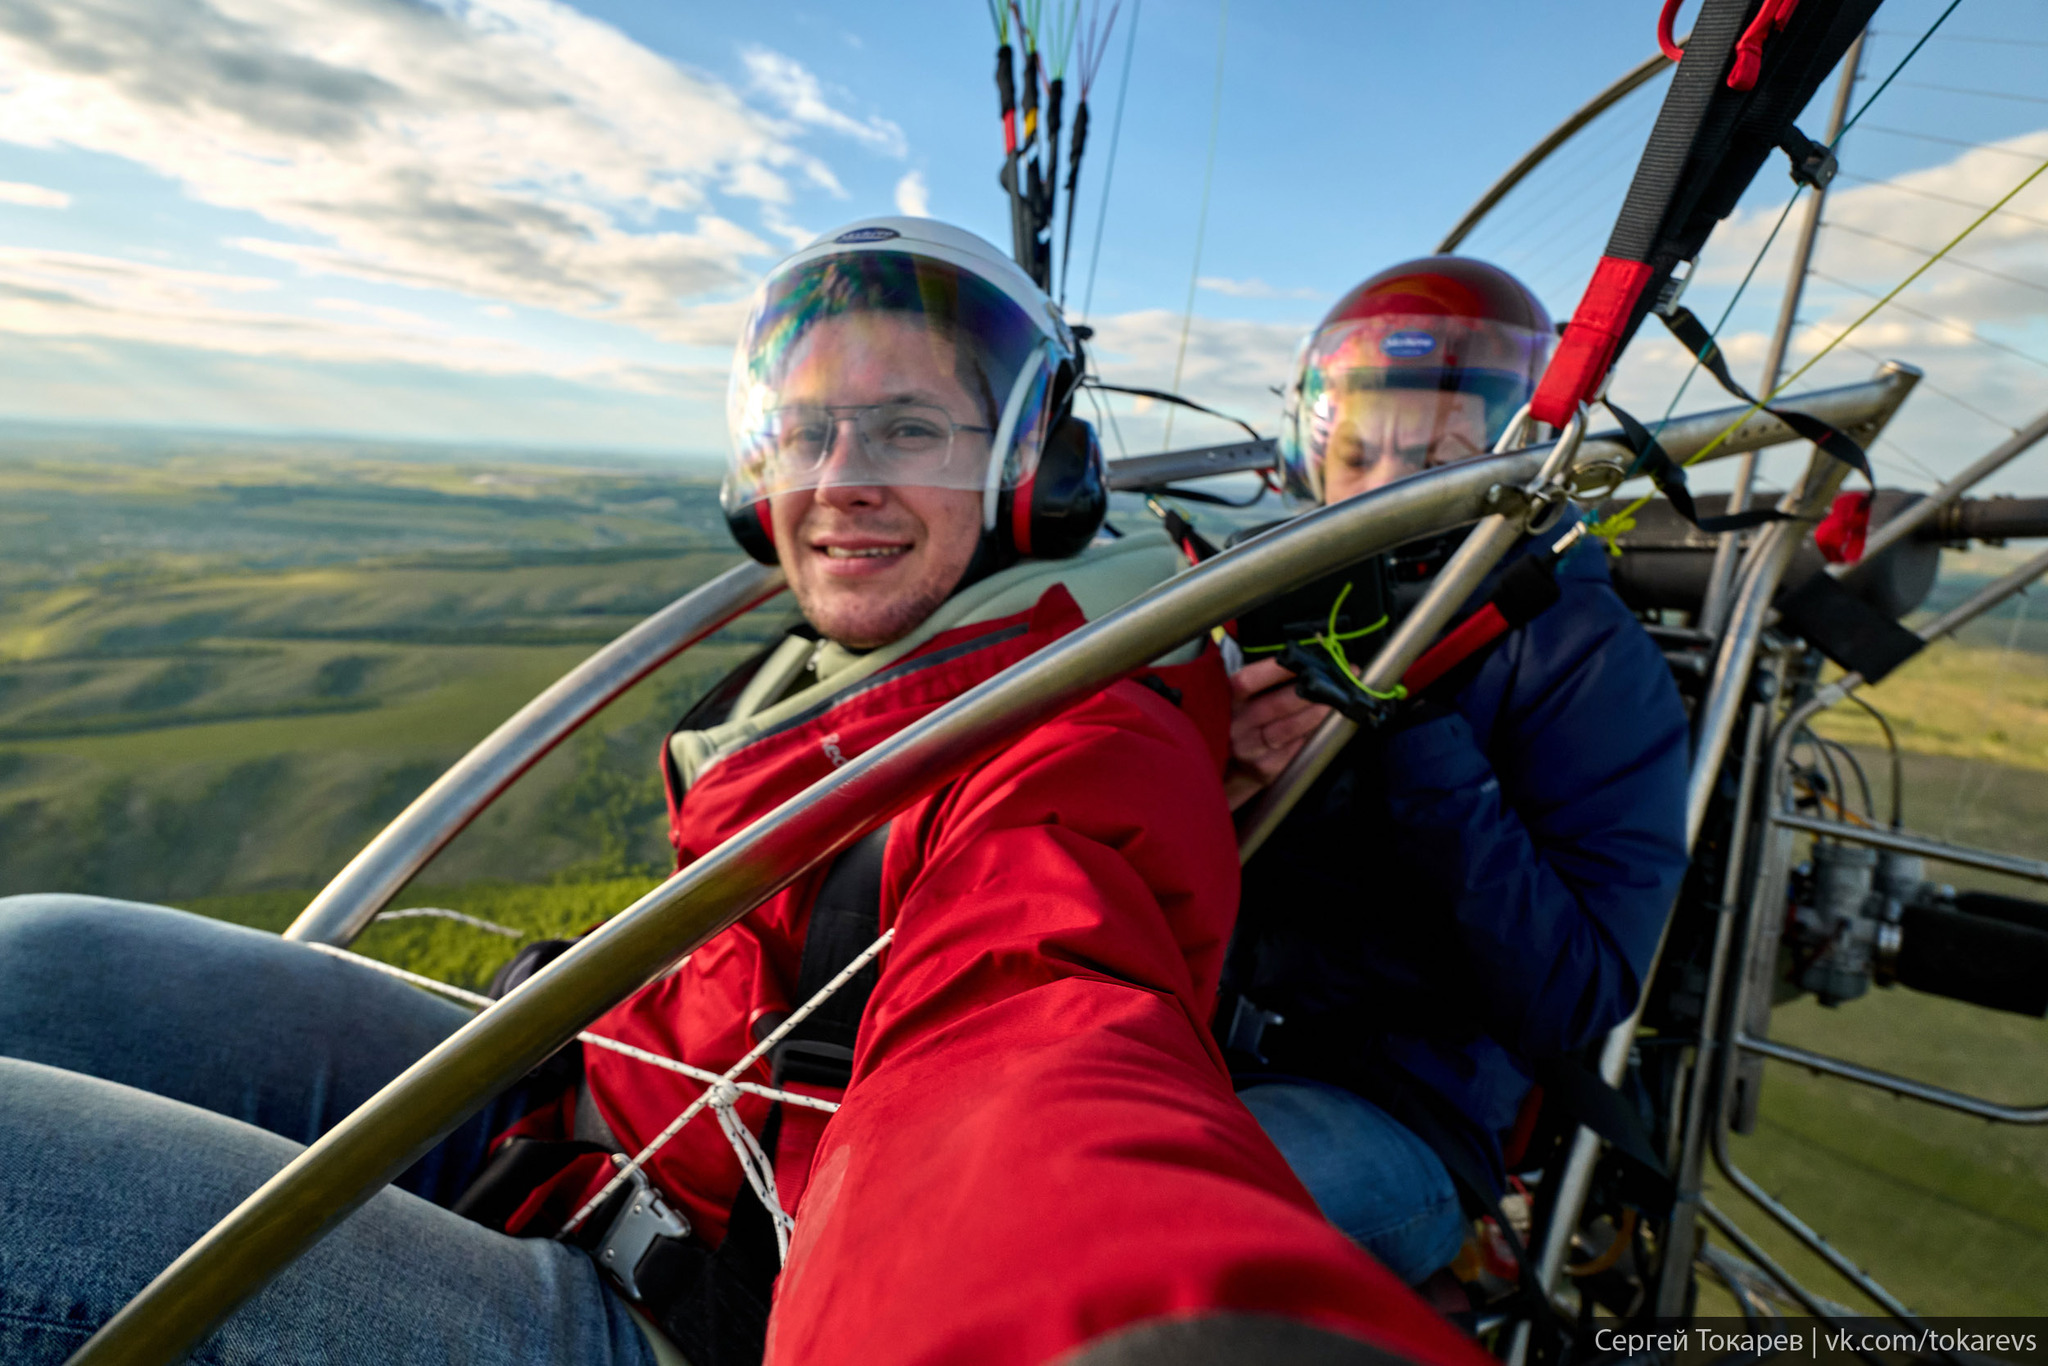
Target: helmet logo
1407	344
870	235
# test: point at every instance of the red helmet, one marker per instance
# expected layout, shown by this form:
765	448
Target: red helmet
1423	364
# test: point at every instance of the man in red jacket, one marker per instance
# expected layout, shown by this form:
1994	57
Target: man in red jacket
1035	1144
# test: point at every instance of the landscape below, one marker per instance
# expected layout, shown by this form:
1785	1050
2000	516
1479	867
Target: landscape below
225	664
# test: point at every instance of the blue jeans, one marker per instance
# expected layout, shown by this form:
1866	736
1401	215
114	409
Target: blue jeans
1371	1177
156	1067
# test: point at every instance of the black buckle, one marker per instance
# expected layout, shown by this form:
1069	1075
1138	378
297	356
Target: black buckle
643	1218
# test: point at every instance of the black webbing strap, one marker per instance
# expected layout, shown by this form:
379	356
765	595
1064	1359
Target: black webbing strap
1669	477
1694	337
1845	628
714	1305
846	917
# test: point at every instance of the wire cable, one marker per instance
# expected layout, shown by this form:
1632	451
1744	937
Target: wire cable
1187	316
1962	327
1891	741
1924	383
1952	261
1116	130
1613	523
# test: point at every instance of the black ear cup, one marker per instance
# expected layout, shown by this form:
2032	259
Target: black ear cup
748	524
1057	511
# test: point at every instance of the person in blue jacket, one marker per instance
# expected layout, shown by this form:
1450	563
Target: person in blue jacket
1478	885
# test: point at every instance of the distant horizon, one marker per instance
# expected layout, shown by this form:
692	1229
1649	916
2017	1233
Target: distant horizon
12	437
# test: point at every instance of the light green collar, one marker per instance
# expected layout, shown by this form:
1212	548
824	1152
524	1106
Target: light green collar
1102	578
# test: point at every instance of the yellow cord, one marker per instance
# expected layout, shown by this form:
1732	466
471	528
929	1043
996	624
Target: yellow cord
1610	527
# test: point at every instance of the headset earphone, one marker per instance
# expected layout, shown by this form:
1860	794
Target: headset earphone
1051	515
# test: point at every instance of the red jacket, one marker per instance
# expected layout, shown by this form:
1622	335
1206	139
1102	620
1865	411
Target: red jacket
1040	1143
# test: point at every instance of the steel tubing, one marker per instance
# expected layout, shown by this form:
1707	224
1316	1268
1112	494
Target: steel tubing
2012	865
1897	1085
1726	694
366	1150
347	905
1910	520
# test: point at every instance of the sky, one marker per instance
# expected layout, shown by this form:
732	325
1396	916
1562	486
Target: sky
534	223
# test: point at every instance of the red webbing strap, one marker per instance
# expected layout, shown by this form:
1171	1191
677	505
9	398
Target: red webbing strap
1590	341
1475	633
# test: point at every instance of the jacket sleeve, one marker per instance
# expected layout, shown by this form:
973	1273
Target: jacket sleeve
1040	1144
1561	854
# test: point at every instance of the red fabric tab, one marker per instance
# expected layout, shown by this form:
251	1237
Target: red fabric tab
1482	626
1841	533
1589	344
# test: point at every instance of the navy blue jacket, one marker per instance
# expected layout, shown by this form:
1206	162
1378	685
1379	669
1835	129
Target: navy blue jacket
1484	887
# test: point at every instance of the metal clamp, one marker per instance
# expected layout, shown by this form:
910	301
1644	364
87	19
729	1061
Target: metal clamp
645	1217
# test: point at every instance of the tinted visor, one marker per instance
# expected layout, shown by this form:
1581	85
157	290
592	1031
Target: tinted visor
1392	395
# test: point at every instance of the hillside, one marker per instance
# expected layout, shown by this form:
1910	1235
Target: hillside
224	674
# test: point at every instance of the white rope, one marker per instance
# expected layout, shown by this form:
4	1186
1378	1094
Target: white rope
721	1090
485	1003
753	1056
755	1164
443	913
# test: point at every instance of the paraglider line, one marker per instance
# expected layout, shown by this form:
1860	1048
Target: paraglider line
1187	316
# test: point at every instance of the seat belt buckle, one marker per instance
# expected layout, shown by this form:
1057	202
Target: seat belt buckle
644	1217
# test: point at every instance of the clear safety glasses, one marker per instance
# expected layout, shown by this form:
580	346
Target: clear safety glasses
892	443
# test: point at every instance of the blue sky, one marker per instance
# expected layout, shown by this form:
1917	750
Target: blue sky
522	221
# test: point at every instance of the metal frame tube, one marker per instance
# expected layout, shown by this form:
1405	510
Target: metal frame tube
1592	109
2012	865
1924	511
1460	577
1899	1086
347	905
358	1156
1775	816
1766	566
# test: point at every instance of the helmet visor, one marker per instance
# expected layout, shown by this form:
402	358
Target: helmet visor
1389	396
884	368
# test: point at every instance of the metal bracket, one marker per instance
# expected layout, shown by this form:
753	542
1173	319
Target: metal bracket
645	1218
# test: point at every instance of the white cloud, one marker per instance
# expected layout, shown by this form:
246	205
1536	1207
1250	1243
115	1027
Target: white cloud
512	150
33	196
1252	289
913	196
801	96
1230	365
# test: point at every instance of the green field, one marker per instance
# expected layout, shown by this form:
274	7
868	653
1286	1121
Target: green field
223	669
224	673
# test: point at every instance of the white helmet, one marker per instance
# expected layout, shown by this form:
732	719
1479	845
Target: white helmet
1014	353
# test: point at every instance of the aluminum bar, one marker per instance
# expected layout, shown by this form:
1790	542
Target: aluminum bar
1879	837
347	905
1196	462
1911	520
1592	109
1727	693
359	1155
1897	1085
1452	585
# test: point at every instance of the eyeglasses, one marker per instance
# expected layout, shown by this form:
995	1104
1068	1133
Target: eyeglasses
901	438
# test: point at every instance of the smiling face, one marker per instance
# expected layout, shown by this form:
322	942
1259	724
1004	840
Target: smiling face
869	562
1380	435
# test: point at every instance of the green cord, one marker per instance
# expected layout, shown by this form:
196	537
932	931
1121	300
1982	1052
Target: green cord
1331	638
